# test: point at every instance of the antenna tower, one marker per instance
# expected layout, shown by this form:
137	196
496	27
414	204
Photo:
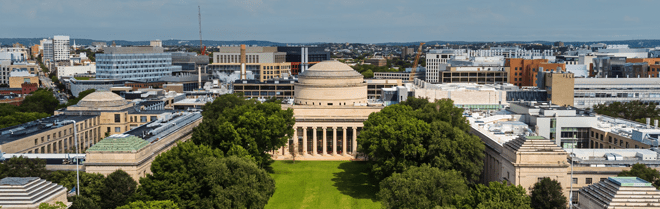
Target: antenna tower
202	49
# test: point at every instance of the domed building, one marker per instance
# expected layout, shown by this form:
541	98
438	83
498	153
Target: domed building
330	106
103	100
330	83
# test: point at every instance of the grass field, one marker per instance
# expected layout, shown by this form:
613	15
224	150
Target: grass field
323	184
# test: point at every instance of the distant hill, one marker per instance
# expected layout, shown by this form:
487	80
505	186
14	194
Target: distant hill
176	42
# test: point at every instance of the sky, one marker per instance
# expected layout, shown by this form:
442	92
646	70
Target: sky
355	21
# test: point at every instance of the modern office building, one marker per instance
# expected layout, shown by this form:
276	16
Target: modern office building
232	54
57	49
134	63
279	88
523	72
314	54
474	74
592	91
189	61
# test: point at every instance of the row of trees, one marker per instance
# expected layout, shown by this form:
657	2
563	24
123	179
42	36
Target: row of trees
424	157
39	104
368	70
633	110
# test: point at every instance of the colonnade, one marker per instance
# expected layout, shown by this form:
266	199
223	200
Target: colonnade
323	139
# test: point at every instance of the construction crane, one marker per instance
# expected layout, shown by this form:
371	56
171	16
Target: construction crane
414	67
202	48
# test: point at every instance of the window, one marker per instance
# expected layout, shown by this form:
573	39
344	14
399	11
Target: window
36	141
575	181
143	119
108	130
117	118
602	179
609	138
540	179
154	118
117	129
588	181
601	146
592	134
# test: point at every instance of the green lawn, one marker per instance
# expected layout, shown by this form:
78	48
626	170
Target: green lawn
323	184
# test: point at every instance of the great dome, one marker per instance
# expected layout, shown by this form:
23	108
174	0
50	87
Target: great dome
330	83
102	99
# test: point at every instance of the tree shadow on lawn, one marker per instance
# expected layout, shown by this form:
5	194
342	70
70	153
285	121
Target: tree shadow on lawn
354	180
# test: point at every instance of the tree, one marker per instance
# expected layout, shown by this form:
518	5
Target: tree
119	186
497	195
640	170
165	204
293	149
81	95
633	110
197	176
57	205
41	100
255	126
422	187
82	202
547	194
24	167
398	137
18	118
91	184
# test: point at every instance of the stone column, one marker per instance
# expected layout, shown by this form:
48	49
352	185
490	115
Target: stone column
325	143
314	142
334	141
305	141
295	144
343	142
354	140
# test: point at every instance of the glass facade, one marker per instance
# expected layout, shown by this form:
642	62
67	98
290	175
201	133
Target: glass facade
145	67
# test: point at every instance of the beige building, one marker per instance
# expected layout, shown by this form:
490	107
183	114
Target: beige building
513	154
30	192
18	77
619	192
330	106
97	115
560	88
134	150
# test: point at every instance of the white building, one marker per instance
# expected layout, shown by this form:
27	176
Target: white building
591	91
72	71
57	49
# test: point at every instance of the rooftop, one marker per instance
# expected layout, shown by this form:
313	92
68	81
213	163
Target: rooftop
119	142
28	129
166	124
629	181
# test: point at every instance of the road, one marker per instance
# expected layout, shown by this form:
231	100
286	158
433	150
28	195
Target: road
48	83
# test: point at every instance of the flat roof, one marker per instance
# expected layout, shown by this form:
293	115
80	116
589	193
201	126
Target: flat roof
165	125
119	142
31	128
630	181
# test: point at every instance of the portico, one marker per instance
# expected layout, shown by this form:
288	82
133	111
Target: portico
330	107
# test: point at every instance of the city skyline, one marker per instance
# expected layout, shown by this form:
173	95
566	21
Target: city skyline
334	21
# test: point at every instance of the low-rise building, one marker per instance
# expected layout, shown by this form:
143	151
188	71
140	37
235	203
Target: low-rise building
18	77
278	88
74	71
30	192
619	192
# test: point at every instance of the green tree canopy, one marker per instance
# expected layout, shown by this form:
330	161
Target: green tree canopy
256	127
422	187
633	110
640	170
24	167
81	95
197	176
41	100
82	202
497	196
18	118
91	184
57	205
164	204
119	186
548	194
436	134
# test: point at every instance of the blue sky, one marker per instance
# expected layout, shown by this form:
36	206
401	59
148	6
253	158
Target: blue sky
297	21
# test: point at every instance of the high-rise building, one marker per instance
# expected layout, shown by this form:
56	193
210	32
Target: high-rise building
134	63
47	46
61	48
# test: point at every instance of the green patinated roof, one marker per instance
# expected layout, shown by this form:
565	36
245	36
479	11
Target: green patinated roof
123	143
630	181
535	137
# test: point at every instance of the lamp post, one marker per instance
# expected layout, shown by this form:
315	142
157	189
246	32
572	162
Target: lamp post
75	137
